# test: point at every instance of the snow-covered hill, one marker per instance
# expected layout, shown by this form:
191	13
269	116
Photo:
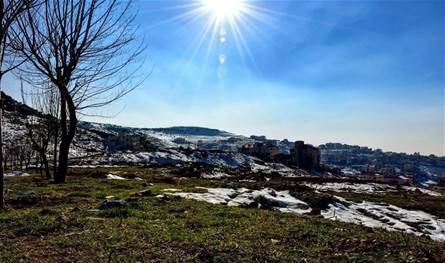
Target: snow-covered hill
172	146
174	137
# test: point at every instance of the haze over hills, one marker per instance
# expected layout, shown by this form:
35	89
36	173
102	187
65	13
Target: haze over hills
12	105
99	138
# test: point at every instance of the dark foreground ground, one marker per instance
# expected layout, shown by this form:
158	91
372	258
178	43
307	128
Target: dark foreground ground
63	223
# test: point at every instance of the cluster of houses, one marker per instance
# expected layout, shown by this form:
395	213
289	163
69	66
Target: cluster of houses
380	178
298	154
304	156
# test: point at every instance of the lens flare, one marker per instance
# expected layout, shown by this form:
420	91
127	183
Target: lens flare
225	9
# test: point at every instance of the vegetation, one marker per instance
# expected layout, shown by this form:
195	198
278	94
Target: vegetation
85	50
63	223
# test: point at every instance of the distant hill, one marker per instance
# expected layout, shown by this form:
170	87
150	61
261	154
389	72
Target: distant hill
12	105
193	131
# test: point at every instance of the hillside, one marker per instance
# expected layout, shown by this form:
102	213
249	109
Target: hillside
170	146
167	214
167	146
18	108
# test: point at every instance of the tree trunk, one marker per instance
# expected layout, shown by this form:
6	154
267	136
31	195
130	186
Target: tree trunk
40	166
60	175
2	181
56	132
68	132
46	165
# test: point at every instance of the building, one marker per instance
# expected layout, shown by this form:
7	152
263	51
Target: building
399	180
305	156
404	180
261	150
373	177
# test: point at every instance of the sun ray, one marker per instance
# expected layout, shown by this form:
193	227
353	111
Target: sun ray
244	47
189	14
242	18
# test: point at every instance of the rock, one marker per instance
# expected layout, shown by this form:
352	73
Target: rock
131	175
61	218
144	193
133	202
46	212
131	199
26	198
110	197
112	204
265	203
28	193
253	204
163	198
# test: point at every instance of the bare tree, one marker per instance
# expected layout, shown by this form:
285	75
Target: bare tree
87	49
10	10
43	130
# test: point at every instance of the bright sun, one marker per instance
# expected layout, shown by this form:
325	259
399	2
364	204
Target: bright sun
225	9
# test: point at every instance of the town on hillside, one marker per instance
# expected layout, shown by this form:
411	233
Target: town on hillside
330	159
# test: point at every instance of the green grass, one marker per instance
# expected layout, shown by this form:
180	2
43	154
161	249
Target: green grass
180	230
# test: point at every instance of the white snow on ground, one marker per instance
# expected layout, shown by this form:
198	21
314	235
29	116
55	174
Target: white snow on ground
352	187
171	190
16	174
269	168
385	216
214	175
422	190
172	157
115	177
429	183
368	214
277	200
366	188
167	139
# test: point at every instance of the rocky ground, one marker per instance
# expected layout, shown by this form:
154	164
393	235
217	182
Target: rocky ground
195	213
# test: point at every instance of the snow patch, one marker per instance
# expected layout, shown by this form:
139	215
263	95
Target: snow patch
269	168
422	190
366	188
264	198
214	175
16	174
115	177
171	190
352	187
385	216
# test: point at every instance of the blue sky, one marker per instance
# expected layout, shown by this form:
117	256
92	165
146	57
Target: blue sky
357	72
